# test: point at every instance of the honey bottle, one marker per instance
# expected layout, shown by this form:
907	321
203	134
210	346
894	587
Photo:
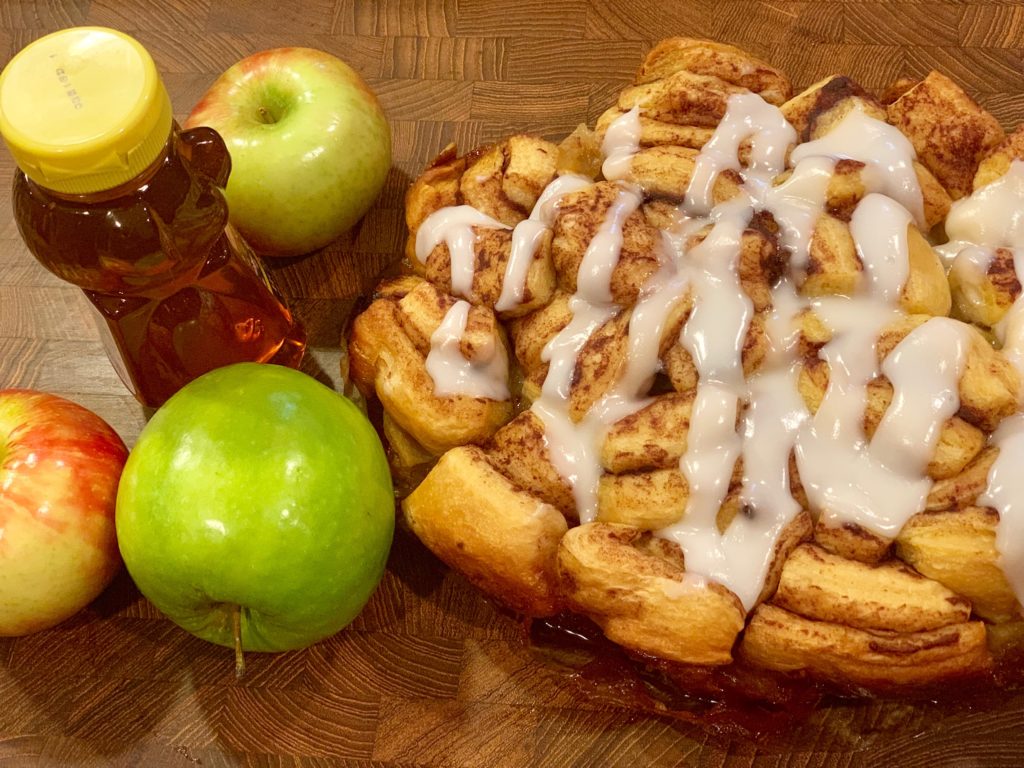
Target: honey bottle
111	195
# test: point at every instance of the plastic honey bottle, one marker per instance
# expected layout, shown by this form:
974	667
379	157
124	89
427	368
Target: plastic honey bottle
111	195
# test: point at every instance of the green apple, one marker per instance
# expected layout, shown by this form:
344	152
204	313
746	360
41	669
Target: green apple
309	144
257	501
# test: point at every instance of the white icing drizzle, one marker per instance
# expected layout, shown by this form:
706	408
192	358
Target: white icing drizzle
714	335
993	215
797	203
747	116
453	226
839	475
561	351
887	154
713	446
621	142
739	559
547	204
452	373
594	279
881	484
844	472
775	422
1010	330
717	327
527	236
526	239
771	425
781	328
879	230
647	326
1005	494
573	448
924	370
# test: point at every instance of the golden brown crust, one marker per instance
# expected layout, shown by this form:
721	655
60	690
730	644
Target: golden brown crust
958	548
961	490
997	162
655	133
819	585
726	62
502	539
682	98
664	172
949	130
520	450
503	181
647	501
895	89
799	530
643	600
779	640
833	267
531	333
652	438
600	363
852	542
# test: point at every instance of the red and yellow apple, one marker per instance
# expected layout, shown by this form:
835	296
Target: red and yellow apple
309	145
59	470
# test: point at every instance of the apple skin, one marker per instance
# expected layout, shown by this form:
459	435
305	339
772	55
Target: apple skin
256	486
309	143
59	470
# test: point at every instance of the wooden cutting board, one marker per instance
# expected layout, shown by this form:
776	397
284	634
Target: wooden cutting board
430	674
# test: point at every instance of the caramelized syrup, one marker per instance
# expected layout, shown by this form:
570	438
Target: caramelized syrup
739	699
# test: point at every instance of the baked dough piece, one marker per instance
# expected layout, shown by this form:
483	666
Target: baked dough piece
817	110
500	537
584	505
504	182
726	62
635	587
891	597
957	548
882	660
950	132
683	85
388	350
873	625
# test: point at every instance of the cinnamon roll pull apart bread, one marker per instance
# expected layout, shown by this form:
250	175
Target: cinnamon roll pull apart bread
744	390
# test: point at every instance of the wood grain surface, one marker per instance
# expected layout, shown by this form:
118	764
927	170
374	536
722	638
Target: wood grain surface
430	674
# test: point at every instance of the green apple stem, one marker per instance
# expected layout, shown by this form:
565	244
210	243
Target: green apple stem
236	623
266	116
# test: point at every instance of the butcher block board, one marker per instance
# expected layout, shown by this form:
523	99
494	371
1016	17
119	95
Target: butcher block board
430	674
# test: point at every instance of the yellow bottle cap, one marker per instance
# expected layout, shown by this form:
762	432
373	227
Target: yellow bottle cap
83	110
